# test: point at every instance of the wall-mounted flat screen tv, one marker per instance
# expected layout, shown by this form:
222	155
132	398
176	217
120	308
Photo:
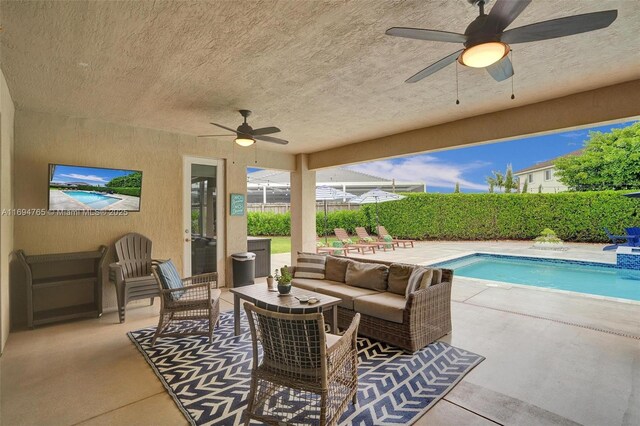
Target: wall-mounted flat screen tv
93	189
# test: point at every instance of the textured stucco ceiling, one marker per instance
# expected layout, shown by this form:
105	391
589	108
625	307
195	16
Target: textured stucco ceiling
323	71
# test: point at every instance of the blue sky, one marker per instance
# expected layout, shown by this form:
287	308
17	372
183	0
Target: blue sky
470	166
89	175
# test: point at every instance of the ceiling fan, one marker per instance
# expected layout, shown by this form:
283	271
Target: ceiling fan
247	135
486	43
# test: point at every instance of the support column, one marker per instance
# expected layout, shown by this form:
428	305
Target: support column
303	208
235	226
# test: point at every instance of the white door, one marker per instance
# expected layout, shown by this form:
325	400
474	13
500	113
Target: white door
203	215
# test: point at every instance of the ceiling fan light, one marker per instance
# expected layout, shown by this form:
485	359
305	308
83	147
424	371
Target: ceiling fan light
483	55
245	141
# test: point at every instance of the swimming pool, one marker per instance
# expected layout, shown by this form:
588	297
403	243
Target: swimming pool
600	279
92	200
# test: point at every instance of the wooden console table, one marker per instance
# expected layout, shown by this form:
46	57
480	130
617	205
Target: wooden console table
63	286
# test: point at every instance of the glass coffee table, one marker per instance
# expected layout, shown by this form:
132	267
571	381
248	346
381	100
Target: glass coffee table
259	294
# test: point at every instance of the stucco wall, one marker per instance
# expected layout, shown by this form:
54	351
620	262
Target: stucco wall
6	202
46	138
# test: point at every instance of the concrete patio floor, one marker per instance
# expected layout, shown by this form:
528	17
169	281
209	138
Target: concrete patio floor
551	358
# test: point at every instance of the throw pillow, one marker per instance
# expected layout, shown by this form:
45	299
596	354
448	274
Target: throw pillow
367	275
310	265
437	276
389	240
170	279
336	269
416	279
399	278
427	279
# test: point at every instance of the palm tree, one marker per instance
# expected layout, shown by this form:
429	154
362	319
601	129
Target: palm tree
498	180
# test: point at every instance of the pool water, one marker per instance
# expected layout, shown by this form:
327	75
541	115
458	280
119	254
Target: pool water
92	199
601	279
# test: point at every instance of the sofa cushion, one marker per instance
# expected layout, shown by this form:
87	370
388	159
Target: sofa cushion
386	306
336	269
372	276
345	292
310	265
399	278
311	284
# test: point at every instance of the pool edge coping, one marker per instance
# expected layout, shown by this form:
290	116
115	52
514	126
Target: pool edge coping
504	284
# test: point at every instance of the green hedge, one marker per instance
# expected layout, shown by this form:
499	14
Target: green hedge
268	224
272	224
133	191
575	216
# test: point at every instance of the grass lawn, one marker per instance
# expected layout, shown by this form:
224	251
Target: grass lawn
280	245
283	244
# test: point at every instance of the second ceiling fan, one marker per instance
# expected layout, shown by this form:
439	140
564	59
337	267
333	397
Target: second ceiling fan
486	43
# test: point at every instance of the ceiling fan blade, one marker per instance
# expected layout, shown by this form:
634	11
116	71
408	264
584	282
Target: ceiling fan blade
422	34
265	131
271	139
435	67
504	12
211	136
501	70
225	127
560	27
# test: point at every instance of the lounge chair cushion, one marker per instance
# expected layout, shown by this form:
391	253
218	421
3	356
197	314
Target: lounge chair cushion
399	278
386	306
345	292
310	265
170	278
419	275
367	275
336	269
311	284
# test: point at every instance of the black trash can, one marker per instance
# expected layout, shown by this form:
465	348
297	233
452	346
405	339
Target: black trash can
244	268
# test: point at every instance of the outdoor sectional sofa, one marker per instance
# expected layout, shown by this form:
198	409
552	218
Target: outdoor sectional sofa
378	291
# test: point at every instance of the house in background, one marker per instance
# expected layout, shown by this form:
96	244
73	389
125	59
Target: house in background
543	174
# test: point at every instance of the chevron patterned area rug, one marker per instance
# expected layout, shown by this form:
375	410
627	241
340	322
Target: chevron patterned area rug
210	382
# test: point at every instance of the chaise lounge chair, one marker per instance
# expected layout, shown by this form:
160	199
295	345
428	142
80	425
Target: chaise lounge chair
382	232
365	238
618	240
343	236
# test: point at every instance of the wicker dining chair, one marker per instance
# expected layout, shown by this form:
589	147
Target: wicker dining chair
131	274
189	306
305	375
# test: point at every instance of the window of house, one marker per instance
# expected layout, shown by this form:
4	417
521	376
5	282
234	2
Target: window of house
547	175
530	177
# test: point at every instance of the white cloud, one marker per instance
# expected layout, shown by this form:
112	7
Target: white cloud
424	168
91	178
579	134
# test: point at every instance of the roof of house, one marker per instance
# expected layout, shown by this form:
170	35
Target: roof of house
338	175
548	163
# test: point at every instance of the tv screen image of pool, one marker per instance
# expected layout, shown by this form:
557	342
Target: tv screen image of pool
80	188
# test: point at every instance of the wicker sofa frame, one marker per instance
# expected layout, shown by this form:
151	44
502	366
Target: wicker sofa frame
426	318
